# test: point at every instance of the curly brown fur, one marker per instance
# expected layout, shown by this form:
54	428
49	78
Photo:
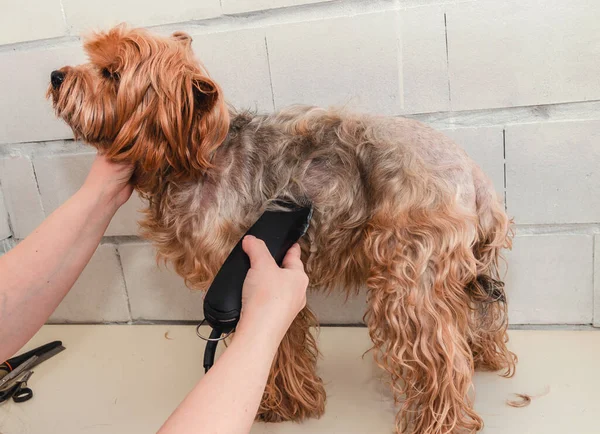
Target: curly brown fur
294	391
398	207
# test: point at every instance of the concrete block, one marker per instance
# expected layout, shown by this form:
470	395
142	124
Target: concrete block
242	6
5	231
523	52
552	172
238	62
485	146
85	16
157	293
549	279
6	245
60	176
334	308
424	62
99	293
24	78
349	61
21	195
27	20
597	281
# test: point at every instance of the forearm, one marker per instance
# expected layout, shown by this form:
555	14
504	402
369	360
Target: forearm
226	399
39	272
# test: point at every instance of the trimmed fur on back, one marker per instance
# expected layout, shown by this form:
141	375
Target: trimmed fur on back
348	166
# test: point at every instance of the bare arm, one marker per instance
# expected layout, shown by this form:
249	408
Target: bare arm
226	399
37	274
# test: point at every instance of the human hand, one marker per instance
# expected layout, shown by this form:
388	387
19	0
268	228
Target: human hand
272	296
109	182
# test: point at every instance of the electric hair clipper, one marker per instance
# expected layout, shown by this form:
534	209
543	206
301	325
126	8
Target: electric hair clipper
223	302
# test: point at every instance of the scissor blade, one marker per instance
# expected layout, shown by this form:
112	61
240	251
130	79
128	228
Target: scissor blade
45	356
18	370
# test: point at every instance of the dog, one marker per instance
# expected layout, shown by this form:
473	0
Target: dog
398	208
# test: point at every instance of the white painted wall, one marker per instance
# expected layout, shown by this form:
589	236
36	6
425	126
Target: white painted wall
515	82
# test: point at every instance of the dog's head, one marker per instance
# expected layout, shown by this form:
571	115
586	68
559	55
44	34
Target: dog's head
143	99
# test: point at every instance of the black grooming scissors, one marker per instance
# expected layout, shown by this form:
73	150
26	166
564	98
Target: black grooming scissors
15	372
19	392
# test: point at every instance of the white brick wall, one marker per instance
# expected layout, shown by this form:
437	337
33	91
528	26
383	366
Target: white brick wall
550	279
241	6
362	53
523	52
26	20
6	245
156	293
239	62
467	67
21	195
597	280
60	176
99	295
552	172
86	15
5	231
24	78
424	64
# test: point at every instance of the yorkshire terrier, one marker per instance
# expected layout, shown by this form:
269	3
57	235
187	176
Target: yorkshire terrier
398	208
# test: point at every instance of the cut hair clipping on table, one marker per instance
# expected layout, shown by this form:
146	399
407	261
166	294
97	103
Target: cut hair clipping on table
523	399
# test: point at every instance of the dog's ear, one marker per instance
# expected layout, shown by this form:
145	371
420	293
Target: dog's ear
210	118
183	37
105	48
206	94
172	137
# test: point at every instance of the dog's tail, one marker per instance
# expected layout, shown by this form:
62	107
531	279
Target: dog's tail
490	320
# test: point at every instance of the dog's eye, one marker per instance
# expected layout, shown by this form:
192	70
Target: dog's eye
109	75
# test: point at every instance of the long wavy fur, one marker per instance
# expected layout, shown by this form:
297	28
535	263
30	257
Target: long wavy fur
398	207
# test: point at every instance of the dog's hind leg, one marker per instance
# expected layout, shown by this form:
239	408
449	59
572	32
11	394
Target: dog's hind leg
489	320
418	315
294	391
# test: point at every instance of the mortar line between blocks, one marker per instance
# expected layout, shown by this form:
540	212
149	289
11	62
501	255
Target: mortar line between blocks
589	229
447	60
124	282
576	111
37	184
253	19
595	269
270	75
504	165
8	217
64	16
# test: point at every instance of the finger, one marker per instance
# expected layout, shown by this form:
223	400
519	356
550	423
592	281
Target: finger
292	259
257	251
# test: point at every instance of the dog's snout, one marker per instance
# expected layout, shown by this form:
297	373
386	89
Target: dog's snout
56	78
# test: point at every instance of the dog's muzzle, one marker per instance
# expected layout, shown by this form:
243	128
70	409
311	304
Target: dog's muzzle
57	78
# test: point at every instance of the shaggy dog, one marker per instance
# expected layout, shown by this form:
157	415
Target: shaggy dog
398	207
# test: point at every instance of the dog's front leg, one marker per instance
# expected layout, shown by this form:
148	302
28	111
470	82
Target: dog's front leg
294	391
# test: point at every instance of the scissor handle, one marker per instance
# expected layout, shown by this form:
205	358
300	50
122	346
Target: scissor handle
22	394
11	364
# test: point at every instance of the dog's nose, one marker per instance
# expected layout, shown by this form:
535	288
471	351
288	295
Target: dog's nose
56	78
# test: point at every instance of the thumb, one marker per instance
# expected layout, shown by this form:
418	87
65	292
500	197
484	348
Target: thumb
257	251
292	259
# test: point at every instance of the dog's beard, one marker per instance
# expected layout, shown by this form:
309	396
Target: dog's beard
90	115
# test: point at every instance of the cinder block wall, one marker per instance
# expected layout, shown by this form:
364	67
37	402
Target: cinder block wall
517	83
